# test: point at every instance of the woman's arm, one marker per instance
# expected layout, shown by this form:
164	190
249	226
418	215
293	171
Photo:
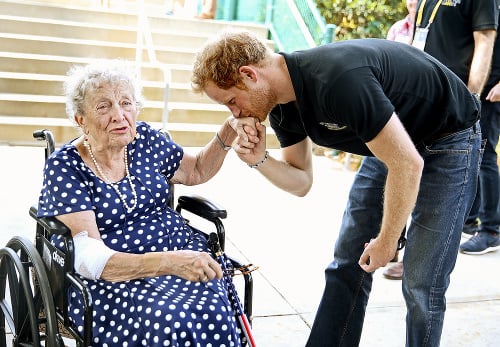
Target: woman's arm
199	168
190	265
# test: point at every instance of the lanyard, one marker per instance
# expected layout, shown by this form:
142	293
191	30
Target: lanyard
433	14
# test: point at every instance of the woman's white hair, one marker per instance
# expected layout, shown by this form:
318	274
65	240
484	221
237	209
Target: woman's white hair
83	79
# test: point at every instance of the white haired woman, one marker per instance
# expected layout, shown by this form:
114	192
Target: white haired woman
152	278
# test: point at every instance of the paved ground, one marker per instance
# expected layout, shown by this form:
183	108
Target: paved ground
291	239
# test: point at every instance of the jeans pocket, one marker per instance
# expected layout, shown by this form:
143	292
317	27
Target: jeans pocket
459	142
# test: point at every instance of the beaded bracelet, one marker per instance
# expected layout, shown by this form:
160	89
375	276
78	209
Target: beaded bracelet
260	162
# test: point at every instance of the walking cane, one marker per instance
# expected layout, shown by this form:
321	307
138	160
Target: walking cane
232	294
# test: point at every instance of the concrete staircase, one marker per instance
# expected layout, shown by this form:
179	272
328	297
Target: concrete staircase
39	41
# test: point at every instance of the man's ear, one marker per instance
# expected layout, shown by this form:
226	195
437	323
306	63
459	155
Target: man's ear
248	72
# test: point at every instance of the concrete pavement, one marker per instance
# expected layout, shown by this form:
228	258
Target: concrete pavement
291	239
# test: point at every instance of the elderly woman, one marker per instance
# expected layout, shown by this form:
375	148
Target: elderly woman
151	276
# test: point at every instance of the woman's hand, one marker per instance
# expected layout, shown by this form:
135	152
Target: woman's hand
191	265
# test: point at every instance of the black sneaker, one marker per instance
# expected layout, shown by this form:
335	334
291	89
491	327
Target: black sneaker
481	243
470	229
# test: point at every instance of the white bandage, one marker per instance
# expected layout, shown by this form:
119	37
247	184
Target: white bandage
91	255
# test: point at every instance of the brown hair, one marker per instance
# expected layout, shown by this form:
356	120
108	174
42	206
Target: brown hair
221	58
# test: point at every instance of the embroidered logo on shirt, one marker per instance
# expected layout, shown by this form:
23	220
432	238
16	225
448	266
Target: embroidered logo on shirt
333	126
452	3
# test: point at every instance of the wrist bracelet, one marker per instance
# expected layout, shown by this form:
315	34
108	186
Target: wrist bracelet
257	164
222	145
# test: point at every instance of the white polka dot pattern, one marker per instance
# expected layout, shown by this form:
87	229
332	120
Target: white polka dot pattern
158	311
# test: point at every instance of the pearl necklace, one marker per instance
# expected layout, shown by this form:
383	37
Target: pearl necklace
114	185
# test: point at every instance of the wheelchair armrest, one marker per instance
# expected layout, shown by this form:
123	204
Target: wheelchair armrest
51	224
201	207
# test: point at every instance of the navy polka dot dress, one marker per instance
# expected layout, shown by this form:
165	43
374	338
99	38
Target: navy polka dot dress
156	311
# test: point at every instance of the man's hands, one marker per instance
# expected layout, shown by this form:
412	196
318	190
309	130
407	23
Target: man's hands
245	128
250	144
494	94
377	254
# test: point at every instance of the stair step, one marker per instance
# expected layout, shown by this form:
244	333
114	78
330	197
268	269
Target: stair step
84	14
105	32
121	16
89	48
23	83
59	65
67	29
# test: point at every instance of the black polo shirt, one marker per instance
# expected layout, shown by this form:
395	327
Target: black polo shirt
495	66
347	91
450	38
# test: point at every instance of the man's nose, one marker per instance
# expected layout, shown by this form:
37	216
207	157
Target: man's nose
235	111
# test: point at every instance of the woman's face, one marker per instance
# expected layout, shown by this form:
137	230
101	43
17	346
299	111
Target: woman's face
110	115
411	5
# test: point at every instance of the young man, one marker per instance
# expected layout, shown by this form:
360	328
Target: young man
486	206
417	125
460	34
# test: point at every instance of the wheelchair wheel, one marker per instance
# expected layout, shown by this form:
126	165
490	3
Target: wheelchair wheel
25	293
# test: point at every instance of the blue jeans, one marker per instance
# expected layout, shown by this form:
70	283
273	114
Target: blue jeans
486	205
447	188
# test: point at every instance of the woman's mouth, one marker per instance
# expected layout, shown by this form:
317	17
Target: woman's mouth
120	130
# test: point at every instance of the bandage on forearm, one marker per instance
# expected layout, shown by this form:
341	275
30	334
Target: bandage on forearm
91	255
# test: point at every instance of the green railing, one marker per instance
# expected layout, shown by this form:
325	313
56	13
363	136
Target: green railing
320	31
293	24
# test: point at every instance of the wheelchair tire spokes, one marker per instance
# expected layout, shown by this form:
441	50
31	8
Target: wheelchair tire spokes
27	271
13	271
6	313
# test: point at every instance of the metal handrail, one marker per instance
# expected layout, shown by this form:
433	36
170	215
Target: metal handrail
144	34
315	23
301	22
296	24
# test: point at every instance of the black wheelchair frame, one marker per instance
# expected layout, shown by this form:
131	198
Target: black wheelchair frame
35	278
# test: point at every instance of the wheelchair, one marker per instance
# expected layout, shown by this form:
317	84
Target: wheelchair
35	277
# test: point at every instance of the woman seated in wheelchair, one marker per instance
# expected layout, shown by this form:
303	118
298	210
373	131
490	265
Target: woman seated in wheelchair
152	278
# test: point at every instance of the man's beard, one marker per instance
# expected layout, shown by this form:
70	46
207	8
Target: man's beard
262	101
